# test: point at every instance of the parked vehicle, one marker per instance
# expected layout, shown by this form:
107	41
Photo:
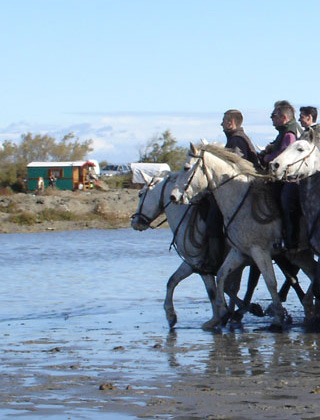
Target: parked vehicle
112	170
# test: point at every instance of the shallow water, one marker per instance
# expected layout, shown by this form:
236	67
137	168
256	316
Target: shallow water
85	307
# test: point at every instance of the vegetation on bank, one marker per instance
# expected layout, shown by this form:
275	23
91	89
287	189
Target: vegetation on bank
14	157
164	149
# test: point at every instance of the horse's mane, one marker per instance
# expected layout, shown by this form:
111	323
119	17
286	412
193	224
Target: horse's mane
243	165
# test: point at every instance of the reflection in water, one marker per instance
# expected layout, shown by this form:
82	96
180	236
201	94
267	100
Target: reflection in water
114	281
246	354
85	308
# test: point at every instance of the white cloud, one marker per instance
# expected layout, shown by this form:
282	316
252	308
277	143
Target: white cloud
118	137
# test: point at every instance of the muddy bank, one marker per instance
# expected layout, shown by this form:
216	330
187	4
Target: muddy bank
67	210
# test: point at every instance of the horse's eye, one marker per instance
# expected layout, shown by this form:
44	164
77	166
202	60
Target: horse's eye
187	166
300	149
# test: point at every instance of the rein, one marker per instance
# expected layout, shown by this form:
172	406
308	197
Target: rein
162	206
209	179
214	188
173	243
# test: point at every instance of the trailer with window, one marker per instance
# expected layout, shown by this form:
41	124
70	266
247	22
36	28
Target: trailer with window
68	175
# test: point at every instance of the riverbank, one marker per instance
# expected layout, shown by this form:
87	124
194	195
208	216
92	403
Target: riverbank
67	210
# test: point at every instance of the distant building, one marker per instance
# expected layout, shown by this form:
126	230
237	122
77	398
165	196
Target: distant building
68	175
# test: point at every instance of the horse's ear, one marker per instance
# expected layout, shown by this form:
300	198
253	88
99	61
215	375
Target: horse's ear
193	148
147	178
204	142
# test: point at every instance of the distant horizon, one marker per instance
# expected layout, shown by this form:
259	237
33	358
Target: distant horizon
118	136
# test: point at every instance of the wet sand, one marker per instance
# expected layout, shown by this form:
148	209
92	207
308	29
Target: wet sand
87	368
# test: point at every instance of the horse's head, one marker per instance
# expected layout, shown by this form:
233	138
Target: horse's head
150	204
191	180
299	160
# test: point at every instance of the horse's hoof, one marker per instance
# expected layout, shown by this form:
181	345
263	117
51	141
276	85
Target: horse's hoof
172	320
225	318
255	309
275	328
236	316
210	325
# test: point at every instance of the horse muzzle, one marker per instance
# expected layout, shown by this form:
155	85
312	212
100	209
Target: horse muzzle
276	170
139	223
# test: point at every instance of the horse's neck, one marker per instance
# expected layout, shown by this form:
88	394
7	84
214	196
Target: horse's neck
177	215
229	190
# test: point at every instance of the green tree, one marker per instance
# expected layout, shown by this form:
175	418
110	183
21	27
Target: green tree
14	157
164	149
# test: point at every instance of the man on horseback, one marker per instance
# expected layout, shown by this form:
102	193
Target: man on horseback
284	121
239	142
308	118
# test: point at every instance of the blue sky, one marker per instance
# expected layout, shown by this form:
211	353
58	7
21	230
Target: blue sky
121	72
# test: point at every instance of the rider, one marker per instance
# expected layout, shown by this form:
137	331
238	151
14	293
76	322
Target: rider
308	119
284	121
239	142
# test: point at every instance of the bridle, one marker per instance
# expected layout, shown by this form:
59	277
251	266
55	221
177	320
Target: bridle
162	206
211	185
302	160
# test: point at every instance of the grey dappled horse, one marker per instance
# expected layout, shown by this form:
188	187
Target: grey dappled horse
238	189
189	229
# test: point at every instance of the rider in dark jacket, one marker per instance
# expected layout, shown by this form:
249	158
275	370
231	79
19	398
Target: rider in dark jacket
237	140
240	143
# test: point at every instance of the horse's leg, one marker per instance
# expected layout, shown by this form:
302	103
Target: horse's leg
253	308
316	283
233	260
232	287
252	283
181	273
305	260
264	263
290	272
210	285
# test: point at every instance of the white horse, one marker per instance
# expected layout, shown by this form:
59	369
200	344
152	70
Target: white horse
241	194
190	241
300	162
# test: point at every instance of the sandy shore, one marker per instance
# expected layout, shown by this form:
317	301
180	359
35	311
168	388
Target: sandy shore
89	210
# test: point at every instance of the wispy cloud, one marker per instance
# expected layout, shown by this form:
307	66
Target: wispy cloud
117	137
